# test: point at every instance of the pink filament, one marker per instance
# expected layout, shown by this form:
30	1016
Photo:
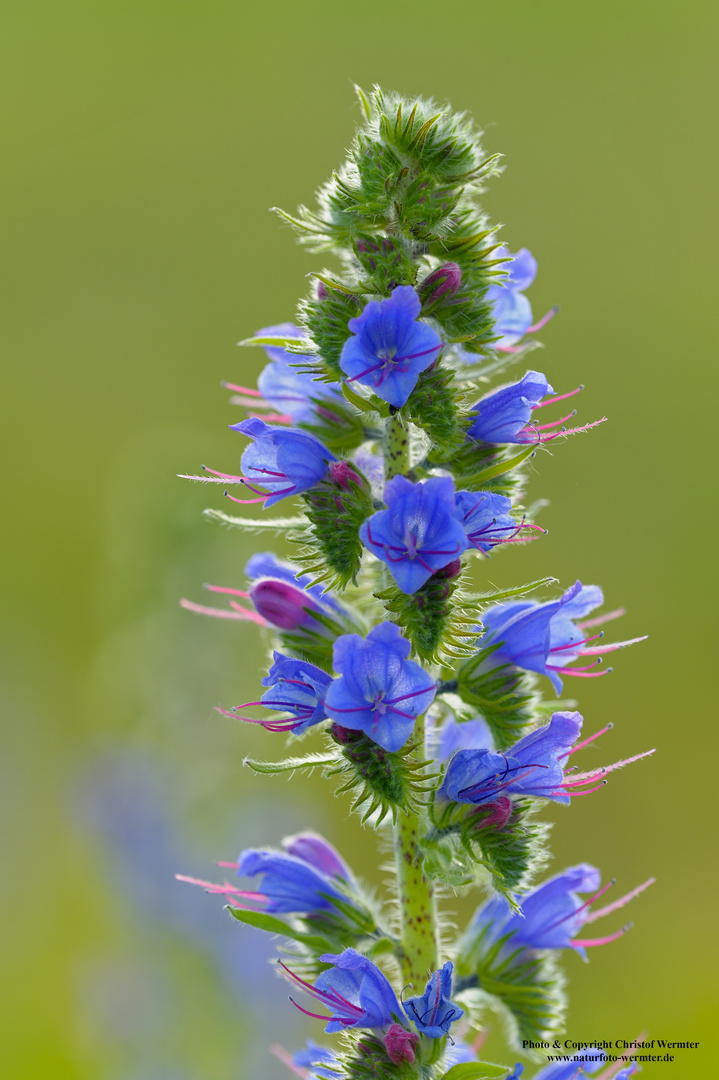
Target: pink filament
239	613
600	619
598	650
585	742
620	902
246	502
543	322
576	644
286	1058
590	943
242	389
226	589
558	397
274	417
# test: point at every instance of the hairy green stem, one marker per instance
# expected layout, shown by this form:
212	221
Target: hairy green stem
418	953
395	447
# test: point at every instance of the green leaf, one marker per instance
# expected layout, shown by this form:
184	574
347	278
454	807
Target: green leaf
310	761
501	467
279	524
507	594
280	342
476	1070
263	921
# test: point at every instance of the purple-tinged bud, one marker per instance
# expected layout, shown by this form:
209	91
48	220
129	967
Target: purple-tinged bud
442	284
322	293
450	571
283	605
343	474
316	851
401	1045
500	811
343	735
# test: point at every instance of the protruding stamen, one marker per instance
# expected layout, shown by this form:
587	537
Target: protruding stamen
542	323
585	742
591	943
238	612
241	389
600	619
226	589
620	902
576	644
554	423
598	650
559	397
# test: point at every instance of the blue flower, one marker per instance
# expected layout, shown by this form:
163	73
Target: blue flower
511	310
288	390
433	1013
379	691
355	991
486	519
389	348
418	533
297	687
544	637
312	1058
289	883
533	766
281	461
467	735
551	915
585	1063
504	414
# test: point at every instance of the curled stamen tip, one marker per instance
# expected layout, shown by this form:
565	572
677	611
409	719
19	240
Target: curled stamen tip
627	927
613	881
573	412
581	386
611	723
226	493
609	669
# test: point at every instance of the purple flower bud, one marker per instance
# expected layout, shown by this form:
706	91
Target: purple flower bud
443	283
322	293
343	474
316	851
401	1045
283	605
450	571
500	811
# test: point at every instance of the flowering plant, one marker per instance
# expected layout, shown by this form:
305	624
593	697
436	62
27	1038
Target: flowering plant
420	697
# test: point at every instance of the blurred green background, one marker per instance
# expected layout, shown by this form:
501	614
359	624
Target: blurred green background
143	143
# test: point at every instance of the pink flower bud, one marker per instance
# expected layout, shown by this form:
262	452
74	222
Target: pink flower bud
342	473
441	284
400	1044
322	293
500	811
451	570
283	605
